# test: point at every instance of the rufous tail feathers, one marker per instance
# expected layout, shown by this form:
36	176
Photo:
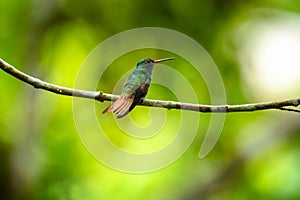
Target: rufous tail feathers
120	107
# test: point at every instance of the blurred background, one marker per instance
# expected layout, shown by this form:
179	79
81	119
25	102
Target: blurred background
256	47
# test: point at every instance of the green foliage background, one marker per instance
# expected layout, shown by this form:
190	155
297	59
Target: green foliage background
41	154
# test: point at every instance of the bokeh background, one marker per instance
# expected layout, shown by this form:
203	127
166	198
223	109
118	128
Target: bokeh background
255	45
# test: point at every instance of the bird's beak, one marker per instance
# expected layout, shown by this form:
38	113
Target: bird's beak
162	60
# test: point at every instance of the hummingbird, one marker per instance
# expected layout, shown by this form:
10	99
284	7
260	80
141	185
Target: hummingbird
135	88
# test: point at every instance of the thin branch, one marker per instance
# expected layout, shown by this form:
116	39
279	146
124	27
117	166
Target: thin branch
101	96
290	109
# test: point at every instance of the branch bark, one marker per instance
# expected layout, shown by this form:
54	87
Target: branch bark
286	105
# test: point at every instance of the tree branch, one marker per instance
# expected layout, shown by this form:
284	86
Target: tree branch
101	96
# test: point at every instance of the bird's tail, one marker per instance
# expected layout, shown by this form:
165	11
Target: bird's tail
120	107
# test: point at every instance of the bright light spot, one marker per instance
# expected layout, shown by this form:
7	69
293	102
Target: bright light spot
277	57
271	59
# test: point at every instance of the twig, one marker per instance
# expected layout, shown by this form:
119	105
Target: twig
101	96
290	109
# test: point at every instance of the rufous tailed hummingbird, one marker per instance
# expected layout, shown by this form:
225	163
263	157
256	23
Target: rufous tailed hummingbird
135	88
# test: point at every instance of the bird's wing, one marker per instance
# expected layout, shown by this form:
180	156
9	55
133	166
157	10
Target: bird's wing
134	89
133	83
125	104
139	93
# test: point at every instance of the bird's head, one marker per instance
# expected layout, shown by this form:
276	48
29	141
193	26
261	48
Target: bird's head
149	63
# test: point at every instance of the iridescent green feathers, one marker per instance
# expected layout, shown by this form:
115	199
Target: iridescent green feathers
135	88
